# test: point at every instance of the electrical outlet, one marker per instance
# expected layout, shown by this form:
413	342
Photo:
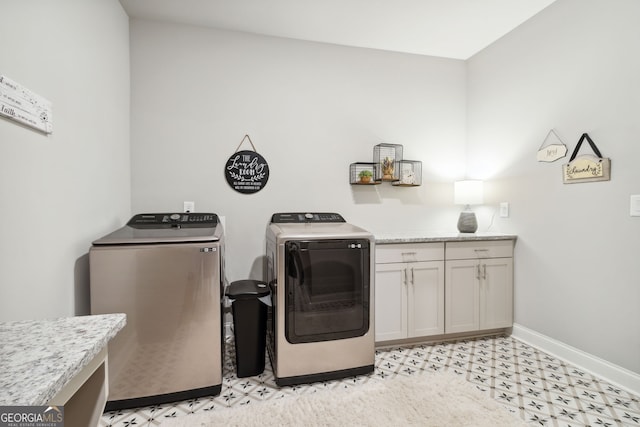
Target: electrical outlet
189	206
634	209
504	210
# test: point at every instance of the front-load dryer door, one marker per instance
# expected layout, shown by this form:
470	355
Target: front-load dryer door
327	289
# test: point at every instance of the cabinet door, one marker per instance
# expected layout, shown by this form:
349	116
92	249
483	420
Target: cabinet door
462	299
390	302
425	298
496	293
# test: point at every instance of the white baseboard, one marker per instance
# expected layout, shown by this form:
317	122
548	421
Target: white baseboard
616	375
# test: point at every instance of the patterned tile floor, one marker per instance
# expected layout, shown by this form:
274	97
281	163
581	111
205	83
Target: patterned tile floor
543	390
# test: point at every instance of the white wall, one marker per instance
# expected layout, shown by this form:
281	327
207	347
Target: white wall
58	192
574	67
310	109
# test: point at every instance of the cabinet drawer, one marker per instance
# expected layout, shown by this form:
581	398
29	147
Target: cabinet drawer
409	252
479	249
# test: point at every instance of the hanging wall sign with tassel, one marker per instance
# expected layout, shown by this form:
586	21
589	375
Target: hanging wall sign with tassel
246	171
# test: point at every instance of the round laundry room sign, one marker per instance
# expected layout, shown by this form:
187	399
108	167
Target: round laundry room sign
247	171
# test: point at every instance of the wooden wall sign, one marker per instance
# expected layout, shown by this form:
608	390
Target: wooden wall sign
246	171
586	167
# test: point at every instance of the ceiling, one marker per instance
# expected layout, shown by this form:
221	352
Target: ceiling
446	28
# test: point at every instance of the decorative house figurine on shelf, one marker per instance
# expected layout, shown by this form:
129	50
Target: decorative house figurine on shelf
363	173
409	178
410	173
387	156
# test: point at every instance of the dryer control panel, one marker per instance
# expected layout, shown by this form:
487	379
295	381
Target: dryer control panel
302	217
182	220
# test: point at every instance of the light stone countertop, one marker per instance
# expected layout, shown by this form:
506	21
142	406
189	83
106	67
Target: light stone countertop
39	357
418	237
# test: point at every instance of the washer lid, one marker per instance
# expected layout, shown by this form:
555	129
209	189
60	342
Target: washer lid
166	228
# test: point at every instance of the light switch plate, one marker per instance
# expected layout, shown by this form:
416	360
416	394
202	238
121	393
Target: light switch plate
504	210
634	209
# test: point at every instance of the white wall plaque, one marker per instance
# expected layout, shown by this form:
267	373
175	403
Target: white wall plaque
20	104
552	148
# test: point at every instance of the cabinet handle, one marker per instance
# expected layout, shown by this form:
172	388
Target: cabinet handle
406	277
481	274
482	253
412	278
409	256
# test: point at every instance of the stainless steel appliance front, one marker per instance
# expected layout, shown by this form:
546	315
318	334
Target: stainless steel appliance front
320	271
169	282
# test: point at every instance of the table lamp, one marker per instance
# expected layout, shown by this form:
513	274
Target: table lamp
467	193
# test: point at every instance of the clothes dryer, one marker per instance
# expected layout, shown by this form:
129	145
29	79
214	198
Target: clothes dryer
320	272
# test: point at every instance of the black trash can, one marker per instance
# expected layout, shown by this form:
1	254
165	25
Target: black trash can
250	325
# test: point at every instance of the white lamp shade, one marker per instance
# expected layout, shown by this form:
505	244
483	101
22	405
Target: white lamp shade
468	192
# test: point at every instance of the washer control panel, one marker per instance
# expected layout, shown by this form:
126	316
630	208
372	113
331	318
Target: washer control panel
178	220
304	217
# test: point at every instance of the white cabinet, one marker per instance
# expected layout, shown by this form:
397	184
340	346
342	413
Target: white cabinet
409	290
479	285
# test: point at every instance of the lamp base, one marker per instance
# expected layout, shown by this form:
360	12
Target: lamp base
467	223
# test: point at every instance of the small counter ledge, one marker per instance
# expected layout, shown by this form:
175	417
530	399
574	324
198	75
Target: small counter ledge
417	237
49	362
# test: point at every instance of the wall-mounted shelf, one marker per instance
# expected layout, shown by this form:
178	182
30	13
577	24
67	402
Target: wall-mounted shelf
388	165
361	173
409	173
387	156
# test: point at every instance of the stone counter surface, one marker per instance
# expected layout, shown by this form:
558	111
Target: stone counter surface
410	237
39	357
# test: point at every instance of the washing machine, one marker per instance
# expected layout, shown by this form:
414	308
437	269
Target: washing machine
165	271
320	272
